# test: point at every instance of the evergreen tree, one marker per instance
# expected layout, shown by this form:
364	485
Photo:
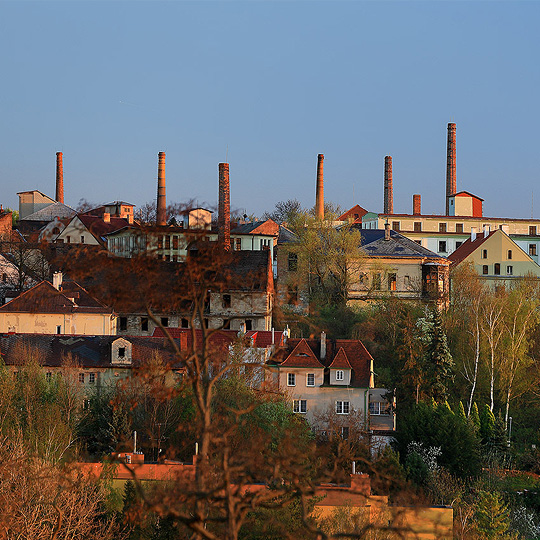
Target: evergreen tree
487	424
492	516
439	360
461	411
475	417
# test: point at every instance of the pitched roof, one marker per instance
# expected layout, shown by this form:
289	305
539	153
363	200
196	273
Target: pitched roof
302	356
340	361
268	228
48	213
86	351
99	228
359	359
44	298
357	209
375	245
464	193
468	247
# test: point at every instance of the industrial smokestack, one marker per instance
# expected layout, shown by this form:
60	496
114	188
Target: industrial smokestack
59	178
416	205
161	215
224	209
451	184
319	194
388	188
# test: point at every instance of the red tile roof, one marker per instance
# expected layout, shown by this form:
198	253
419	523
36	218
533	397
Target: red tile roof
468	247
44	298
302	357
99	228
357	209
340	361
357	355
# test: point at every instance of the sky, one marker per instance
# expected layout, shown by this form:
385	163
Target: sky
266	86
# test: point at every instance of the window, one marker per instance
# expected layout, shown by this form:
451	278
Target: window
377	282
345	432
81	378
310	379
395	225
340	375
165	321
485	269
509	255
497	269
299	406
226	301
442	227
160	242
144	324
206	323
509	270
291	379
532	249
167	242
459	228
226	324
175	242
82	239
293	262
417	227
392	282
92	378
484	254
68	239
184	323
58	329
122	322
249	325
121	352
442	246
532	230
48	376
378	408
342	407
238	244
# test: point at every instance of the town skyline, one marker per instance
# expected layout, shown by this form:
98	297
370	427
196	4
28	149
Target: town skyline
266	87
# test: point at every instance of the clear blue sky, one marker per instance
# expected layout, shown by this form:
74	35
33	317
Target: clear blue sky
267	85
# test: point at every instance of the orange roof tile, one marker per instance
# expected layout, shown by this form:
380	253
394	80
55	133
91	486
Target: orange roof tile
340	361
302	356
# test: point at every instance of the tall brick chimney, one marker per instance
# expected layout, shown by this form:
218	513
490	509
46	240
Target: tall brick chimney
161	211
451	184
416	205
59	178
224	208
388	187
319	194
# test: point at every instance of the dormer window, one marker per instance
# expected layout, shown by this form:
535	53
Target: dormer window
340	375
121	352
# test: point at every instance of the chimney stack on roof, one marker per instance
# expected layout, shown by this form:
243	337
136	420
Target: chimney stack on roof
161	212
416	205
451	183
59	178
323	345
388	188
319	194
57	280
387	231
224	208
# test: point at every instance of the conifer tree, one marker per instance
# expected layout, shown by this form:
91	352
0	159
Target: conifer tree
439	359
461	411
475	417
492	516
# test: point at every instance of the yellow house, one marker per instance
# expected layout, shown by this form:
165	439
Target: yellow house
495	257
58	308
